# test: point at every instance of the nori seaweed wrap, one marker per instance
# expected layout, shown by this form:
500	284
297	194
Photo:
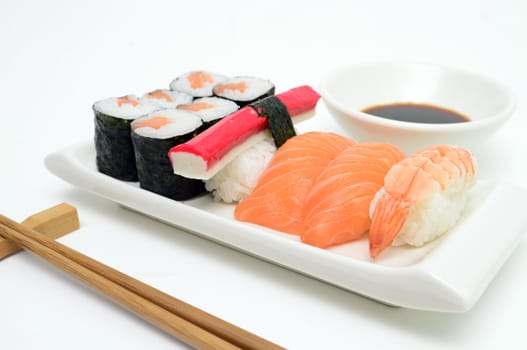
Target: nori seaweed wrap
244	90
153	136
113	144
278	119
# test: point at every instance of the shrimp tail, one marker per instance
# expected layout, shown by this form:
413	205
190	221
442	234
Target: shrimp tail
389	216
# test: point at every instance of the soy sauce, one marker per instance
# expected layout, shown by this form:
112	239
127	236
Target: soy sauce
417	113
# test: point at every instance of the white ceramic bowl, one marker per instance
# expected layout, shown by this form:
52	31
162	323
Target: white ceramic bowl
350	89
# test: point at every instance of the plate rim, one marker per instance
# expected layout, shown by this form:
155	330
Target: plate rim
424	285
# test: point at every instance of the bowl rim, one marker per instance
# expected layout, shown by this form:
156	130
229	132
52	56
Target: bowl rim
501	116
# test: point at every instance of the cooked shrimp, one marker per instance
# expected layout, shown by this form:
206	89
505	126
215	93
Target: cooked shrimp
422	198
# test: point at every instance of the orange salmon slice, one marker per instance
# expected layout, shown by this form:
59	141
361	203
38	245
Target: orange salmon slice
241	87
278	198
195	107
160	95
155	122
126	100
337	207
199	79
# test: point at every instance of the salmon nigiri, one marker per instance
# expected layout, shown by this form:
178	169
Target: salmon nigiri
337	206
278	198
423	197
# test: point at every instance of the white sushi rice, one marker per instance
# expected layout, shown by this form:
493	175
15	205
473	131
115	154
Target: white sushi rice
238	179
181	123
430	218
255	87
110	106
213	108
167	98
183	84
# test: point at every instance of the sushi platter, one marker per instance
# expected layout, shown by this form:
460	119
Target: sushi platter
438	276
316	202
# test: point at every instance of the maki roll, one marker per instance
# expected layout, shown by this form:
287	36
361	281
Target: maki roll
197	83
210	109
244	90
152	137
167	98
113	144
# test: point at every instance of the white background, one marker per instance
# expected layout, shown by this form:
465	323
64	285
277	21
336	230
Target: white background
58	57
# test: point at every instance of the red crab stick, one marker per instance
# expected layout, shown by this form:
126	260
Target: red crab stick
207	153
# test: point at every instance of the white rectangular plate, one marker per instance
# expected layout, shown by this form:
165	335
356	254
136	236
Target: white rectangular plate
447	275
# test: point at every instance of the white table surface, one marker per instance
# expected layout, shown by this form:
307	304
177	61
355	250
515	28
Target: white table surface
57	57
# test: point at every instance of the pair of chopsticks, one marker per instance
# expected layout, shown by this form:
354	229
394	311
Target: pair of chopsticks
184	321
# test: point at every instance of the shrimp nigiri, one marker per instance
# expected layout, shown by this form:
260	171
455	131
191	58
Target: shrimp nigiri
422	198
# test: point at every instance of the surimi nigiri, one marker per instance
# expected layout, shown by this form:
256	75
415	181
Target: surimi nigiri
206	154
336	209
281	191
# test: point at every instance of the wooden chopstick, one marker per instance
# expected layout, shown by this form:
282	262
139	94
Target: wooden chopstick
186	322
162	318
53	222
